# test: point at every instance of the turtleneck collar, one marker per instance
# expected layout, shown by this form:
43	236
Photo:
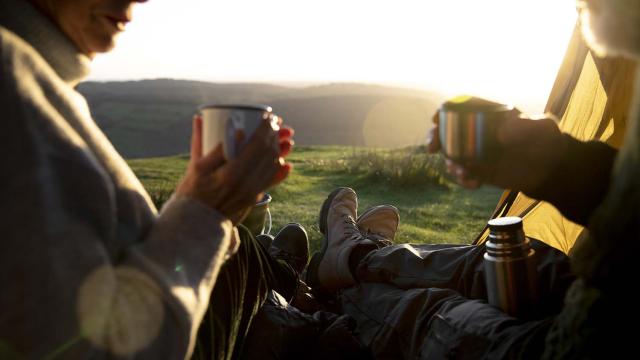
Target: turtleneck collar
56	48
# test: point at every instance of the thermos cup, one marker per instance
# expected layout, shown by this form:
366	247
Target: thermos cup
468	127
232	126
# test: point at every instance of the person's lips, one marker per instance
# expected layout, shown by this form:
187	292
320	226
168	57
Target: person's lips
118	20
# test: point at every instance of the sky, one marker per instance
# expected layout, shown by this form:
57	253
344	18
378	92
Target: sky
506	50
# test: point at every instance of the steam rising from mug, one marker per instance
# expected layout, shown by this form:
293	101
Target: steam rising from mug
232	125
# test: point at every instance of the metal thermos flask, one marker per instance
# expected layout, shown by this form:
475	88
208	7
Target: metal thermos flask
510	268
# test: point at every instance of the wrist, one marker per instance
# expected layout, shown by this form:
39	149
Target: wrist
579	180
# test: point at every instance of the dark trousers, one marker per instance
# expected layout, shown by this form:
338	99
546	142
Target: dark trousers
429	301
241	288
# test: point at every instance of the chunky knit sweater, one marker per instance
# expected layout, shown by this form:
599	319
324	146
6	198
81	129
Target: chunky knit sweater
88	269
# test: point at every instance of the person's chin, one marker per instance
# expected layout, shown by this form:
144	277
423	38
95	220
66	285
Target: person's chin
103	44
614	30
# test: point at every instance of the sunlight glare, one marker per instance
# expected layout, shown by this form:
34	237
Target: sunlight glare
508	50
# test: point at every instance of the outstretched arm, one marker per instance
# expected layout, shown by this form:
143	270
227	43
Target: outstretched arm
542	162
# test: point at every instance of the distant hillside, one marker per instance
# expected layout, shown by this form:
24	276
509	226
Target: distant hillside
152	117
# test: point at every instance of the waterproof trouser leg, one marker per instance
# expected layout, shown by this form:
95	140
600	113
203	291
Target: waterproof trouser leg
410	296
241	288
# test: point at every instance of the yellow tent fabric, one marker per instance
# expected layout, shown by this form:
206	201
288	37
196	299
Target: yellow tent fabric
591	96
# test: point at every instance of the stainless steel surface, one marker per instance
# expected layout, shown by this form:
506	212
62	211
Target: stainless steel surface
232	126
258	107
510	268
468	128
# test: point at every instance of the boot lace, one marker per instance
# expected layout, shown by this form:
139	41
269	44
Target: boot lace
351	229
379	239
353	232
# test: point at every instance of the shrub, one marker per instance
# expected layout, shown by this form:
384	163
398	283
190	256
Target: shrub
408	167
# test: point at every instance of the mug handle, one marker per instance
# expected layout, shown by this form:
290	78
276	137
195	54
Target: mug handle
270	224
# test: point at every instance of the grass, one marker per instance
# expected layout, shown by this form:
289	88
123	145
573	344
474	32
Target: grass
432	209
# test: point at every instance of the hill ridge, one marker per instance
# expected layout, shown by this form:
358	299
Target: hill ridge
151	117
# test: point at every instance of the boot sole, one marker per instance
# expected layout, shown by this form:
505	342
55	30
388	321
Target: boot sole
312	270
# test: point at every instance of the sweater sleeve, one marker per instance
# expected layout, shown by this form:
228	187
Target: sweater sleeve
76	281
580	181
64	281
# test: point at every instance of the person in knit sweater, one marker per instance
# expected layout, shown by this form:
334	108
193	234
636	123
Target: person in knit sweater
88	267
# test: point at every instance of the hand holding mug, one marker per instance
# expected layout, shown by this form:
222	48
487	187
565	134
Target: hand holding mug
233	185
528	149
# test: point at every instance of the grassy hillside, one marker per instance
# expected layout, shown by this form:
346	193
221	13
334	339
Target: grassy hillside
151	118
432	209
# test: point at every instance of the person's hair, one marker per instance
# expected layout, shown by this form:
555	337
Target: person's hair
613	28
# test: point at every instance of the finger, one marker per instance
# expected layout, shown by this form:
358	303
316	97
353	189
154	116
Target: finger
515	112
280	121
452	168
238	139
285	147
463	178
435	119
273	120
285	132
552	117
535	116
515	131
266	171
196	138
266	141
433	140
470	184
264	130
210	162
257	164
282	173
263	142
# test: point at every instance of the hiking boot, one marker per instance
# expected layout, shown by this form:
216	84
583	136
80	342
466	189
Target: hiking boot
265	240
379	223
329	268
291	244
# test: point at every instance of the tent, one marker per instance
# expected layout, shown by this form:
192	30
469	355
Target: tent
591	96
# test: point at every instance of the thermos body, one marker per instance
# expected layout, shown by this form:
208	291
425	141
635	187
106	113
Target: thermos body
512	283
510	268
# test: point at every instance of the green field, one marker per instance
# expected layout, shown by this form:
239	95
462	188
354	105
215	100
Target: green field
432	209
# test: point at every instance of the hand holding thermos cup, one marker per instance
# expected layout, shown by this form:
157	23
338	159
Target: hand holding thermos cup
493	143
489	142
237	152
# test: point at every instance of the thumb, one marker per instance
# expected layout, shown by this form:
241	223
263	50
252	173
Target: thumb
282	173
435	118
433	140
196	139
